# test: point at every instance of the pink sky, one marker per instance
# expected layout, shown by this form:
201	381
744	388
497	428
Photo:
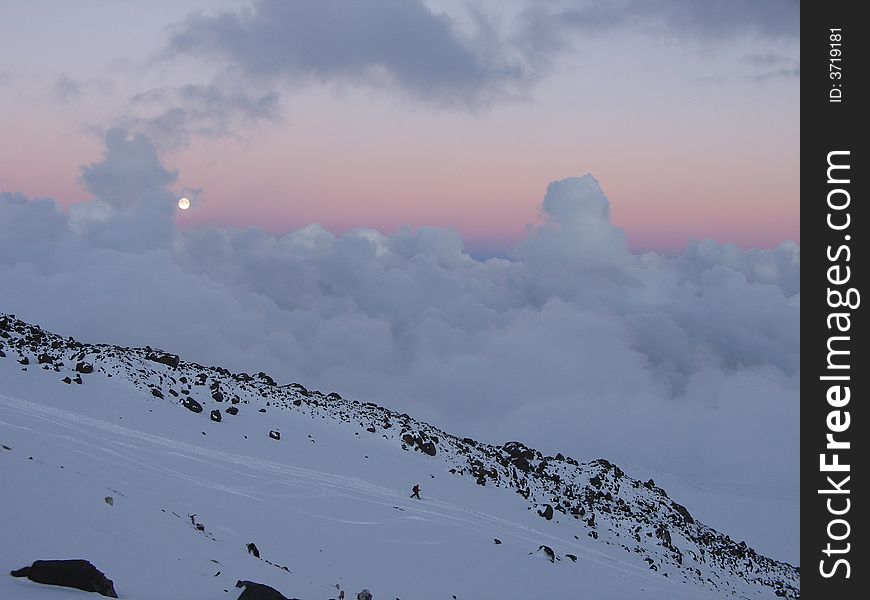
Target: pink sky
706	150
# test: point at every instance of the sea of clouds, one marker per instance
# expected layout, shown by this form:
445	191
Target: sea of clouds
573	343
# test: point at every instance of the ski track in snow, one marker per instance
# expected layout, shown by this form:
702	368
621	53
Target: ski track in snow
125	447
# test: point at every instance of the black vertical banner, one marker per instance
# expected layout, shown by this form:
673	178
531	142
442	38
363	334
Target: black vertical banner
834	371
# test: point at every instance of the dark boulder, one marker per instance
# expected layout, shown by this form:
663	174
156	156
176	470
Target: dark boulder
548	552
266	379
364	595
522	464
44	359
170	360
215	416
683	512
84	367
258	591
156	393
192	405
275	435
232	410
252	549
333	396
428	448
547	512
217	396
75	573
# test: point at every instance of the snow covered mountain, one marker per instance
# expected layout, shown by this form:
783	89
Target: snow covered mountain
161	471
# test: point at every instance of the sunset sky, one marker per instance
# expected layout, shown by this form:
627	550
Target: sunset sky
443	113
569	223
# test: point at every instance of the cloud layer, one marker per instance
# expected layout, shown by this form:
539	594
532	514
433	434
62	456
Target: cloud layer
575	344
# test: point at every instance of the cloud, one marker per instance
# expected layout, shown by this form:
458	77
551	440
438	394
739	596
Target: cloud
132	207
393	43
66	89
547	28
687	363
172	116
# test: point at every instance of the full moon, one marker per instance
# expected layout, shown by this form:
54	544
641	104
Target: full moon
184	204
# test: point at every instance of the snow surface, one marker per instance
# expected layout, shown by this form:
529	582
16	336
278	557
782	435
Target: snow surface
326	504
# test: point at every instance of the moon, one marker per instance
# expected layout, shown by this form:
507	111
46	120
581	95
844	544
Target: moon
184	204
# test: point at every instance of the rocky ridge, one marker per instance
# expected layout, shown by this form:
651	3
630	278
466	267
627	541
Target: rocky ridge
595	499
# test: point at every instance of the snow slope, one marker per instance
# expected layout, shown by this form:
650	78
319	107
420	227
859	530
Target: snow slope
327	503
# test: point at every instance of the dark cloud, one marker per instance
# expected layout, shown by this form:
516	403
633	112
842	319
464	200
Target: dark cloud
547	27
712	19
398	43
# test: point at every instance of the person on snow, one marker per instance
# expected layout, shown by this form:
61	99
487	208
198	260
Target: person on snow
416	491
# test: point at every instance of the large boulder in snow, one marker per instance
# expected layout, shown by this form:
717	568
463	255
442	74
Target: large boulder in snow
74	573
84	367
258	591
546	512
170	360
192	405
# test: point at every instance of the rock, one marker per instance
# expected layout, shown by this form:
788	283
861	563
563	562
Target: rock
44	359
572	557
84	367
522	464
217	396
170	360
258	591
109	500
75	573
333	396
428	448
66	380
496	540
215	416
275	435
232	410
192	405
364	595
548	552
547	512
156	393
683	511
252	549
371	429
